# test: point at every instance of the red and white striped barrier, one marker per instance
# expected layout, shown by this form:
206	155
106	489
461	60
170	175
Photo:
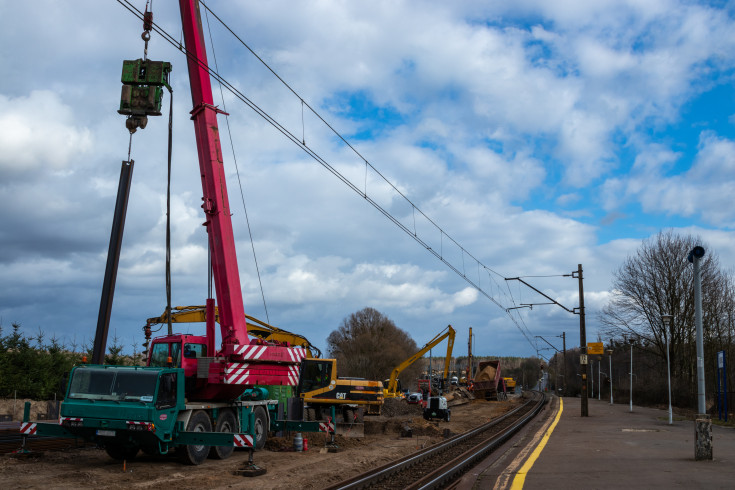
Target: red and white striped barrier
240	373
28	428
243	440
326	427
136	425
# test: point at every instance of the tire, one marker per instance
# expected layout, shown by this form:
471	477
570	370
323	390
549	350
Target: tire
261	428
226	422
120	452
349	416
309	414
195	455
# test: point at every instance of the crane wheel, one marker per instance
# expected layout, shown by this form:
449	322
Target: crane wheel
190	454
226	422
261	428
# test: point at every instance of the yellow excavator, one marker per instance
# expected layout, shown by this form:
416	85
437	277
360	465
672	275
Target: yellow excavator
256	328
392	388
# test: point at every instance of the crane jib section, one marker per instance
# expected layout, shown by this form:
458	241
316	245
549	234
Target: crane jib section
215	200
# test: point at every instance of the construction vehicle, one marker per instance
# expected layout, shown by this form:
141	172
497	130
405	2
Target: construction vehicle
510	384
256	327
193	397
487	379
325	395
393	388
436	408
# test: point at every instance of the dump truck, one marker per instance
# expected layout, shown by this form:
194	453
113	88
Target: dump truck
487	378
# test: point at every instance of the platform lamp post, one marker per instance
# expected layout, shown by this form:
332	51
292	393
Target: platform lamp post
703	423
609	353
599	379
631	341
667	323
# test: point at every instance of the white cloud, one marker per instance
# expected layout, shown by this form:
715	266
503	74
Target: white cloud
488	116
38	133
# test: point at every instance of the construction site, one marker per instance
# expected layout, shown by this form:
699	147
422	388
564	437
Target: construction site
239	397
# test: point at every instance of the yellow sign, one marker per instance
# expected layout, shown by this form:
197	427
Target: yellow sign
595	348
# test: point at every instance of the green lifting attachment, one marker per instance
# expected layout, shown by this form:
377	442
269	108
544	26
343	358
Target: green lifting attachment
142	90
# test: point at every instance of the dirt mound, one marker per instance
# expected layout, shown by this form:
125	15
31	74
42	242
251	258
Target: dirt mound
487	374
423	427
393	407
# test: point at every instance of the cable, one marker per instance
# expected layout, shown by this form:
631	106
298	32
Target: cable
237	170
314	155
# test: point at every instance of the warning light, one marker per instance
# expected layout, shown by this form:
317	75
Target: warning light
84	359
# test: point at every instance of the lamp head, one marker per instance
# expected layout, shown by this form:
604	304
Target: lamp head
697	252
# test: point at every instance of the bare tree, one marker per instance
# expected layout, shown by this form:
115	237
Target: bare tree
368	344
658	279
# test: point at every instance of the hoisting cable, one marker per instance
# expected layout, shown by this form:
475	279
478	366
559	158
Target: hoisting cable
237	169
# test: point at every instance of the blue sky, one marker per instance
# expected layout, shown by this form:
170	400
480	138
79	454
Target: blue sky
537	135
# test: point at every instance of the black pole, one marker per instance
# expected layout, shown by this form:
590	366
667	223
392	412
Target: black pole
113	258
582	343
564	347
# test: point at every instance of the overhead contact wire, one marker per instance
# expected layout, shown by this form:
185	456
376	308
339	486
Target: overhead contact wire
309	151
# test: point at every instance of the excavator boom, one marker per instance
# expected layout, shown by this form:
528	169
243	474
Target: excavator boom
448	333
256	327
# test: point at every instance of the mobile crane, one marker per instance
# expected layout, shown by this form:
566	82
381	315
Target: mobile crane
192	397
393	388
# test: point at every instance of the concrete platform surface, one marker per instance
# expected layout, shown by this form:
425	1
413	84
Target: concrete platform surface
616	448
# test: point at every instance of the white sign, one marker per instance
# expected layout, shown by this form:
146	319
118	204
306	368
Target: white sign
721	359
583	359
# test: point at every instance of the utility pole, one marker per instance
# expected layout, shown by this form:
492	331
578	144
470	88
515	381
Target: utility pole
564	348
469	356
582	343
582	332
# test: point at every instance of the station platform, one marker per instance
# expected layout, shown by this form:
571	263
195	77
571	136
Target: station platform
611	448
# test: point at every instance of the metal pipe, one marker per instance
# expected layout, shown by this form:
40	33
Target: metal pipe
667	322
631	375
611	377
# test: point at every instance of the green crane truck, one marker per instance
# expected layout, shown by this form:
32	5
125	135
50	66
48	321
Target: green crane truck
126	409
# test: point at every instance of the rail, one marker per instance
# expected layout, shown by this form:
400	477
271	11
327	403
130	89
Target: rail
434	467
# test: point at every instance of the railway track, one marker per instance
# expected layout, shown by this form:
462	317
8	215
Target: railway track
437	466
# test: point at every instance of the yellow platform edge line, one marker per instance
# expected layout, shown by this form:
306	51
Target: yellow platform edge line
520	477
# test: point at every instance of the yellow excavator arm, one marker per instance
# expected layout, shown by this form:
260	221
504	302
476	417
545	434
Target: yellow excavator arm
447	333
256	328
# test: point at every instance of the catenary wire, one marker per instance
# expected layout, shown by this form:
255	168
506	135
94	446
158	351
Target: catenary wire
314	155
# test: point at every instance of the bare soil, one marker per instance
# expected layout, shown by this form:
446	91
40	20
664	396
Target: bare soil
286	469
